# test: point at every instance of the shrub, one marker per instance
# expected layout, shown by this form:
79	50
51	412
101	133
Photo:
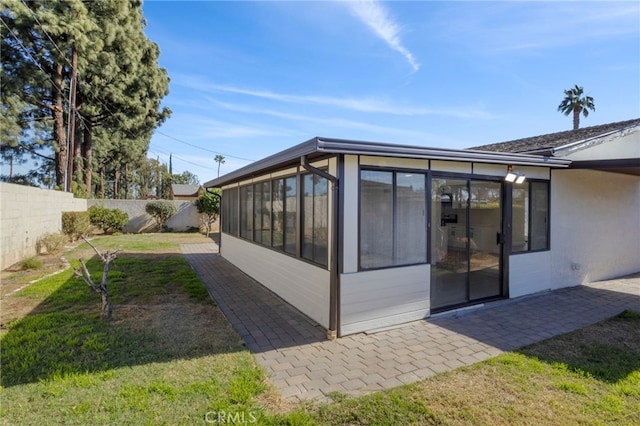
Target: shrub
75	224
52	243
32	263
208	205
108	220
161	210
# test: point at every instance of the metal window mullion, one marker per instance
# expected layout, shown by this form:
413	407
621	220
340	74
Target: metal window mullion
468	236
394	219
299	202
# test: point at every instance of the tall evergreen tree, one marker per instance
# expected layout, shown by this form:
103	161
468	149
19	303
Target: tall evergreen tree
37	40
116	101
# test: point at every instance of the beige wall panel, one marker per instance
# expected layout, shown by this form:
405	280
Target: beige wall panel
350	187
405	163
303	285
376	299
451	166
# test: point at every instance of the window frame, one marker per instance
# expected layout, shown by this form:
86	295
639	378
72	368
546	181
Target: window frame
290	248
314	208
427	231
529	212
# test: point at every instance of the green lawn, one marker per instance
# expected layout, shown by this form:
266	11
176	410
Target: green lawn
170	357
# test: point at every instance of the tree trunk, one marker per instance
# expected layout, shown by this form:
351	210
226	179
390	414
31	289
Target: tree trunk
59	133
106	306
576	118
116	183
78	163
126	181
71	133
87	148
101	189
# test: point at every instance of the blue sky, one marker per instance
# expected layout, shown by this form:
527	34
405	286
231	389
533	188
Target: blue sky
249	79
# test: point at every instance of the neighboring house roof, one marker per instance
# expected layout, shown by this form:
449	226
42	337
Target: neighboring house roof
318	147
547	144
569	144
182	190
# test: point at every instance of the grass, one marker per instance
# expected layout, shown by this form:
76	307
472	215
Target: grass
32	263
590	376
170	357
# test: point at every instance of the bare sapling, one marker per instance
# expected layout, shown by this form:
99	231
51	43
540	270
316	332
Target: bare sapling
101	288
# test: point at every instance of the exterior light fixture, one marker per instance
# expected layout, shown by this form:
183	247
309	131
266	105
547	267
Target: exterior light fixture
514	176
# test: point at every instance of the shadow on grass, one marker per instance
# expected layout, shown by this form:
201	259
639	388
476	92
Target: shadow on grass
608	351
162	312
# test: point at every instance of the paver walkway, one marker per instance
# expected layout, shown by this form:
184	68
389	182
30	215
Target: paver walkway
304	365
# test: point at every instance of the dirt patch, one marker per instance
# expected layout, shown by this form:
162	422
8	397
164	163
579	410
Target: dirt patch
184	326
14	279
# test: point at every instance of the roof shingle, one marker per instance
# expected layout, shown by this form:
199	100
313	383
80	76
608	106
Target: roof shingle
554	140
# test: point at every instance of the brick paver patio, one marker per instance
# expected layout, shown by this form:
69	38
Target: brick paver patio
304	365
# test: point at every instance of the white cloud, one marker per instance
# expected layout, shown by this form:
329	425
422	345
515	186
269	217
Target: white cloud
378	19
370	105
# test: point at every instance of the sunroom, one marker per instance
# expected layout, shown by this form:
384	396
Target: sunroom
361	236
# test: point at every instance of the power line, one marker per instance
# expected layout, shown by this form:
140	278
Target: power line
47	34
155	130
204	149
26	51
178	157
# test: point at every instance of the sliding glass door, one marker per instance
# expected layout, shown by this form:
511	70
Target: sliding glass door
466	241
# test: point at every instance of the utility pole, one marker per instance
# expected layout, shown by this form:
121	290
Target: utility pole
72	120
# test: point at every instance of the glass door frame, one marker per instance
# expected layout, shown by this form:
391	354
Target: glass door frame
505	234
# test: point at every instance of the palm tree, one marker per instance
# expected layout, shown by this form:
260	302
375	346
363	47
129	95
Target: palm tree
574	102
220	160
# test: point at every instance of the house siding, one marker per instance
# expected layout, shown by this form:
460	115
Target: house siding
376	299
301	284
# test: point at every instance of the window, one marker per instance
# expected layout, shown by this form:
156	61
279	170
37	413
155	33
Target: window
278	212
393	228
530	217
230	211
267	213
246	212
315	218
290	213
262	213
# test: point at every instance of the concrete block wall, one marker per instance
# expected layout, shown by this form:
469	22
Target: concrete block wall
140	221
26	214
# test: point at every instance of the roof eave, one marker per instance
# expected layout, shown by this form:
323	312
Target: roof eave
340	146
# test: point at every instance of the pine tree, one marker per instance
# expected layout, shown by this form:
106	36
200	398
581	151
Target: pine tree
116	101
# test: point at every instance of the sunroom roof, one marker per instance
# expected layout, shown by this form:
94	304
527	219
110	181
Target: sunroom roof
325	147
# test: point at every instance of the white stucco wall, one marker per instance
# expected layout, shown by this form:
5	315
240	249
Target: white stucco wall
302	284
26	214
595	226
529	273
613	147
